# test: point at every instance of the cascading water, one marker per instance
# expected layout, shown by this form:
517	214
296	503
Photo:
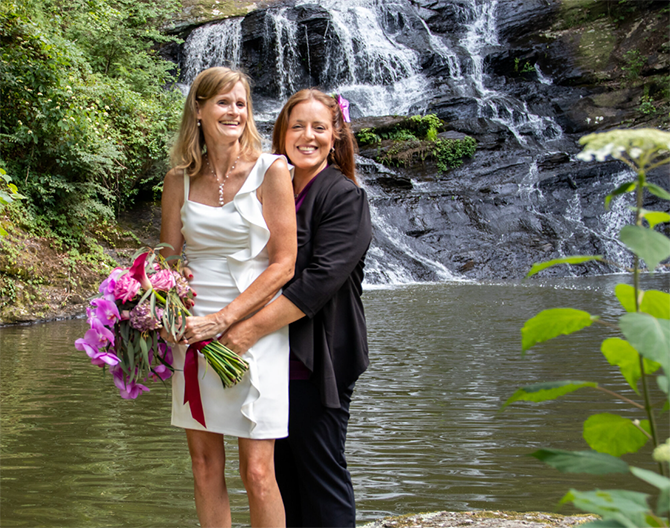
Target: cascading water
375	54
216	44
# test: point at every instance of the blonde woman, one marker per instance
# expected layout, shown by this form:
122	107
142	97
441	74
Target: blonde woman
233	208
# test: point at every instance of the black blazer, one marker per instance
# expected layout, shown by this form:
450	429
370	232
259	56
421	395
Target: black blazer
334	233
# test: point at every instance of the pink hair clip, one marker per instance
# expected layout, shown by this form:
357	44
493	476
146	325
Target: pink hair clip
344	107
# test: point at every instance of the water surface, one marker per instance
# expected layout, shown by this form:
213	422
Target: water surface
426	432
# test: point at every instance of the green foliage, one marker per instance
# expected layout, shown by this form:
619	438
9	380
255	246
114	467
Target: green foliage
645	325
427	125
416	137
7	196
84	115
614	435
549	324
526	68
367	137
449	153
581	461
647	106
633	64
547	390
577	259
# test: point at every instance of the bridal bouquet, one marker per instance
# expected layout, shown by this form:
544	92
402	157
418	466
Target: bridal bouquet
126	320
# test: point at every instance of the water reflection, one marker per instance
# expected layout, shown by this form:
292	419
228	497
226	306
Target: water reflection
425	433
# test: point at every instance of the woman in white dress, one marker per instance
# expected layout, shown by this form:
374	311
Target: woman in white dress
233	207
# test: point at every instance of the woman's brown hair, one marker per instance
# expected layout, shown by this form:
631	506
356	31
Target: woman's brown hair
344	150
188	149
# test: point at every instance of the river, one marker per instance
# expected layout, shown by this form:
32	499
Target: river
426	433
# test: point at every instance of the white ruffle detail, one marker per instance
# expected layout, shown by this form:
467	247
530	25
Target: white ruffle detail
247	264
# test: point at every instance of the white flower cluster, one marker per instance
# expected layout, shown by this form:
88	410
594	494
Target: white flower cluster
662	452
642	146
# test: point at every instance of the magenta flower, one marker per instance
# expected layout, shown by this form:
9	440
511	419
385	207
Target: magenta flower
105	335
126	288
107	286
129	390
106	311
91	344
138	272
163	280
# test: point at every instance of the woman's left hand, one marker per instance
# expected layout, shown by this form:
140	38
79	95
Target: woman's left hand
202	328
240	337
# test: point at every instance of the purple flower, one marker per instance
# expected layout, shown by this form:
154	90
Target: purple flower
91	344
107	286
142	319
183	288
162	280
161	370
126	288
106	311
105	335
129	390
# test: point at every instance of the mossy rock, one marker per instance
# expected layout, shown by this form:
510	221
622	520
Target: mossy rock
198	12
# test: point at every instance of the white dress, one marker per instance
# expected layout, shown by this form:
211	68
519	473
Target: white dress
226	250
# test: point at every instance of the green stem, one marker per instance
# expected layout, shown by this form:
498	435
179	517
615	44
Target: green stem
616	395
636	285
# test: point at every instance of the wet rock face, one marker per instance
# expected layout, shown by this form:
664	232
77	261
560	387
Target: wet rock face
522	198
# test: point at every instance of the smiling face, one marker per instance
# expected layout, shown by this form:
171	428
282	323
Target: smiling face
224	116
309	137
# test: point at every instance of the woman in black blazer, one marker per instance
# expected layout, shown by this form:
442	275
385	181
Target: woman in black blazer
322	303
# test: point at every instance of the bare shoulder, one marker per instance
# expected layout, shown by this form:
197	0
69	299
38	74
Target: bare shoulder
173	185
278	168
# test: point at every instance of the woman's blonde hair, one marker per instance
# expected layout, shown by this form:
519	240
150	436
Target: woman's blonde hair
344	150
188	149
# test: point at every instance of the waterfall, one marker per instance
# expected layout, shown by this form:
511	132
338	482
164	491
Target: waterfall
217	44
375	54
282	31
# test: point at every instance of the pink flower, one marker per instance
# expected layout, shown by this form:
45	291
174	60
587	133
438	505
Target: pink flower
162	280
138	272
129	390
126	288
183	287
106	311
107	286
91	344
105	335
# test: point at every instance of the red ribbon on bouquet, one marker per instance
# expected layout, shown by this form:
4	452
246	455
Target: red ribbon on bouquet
191	384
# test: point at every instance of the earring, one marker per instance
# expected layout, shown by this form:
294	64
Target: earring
198	122
332	150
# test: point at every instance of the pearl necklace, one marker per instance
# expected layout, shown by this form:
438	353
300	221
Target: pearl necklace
225	177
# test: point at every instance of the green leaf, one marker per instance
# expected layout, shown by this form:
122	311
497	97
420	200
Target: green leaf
649	245
548	390
656	303
662	382
657	191
581	461
576	259
651	477
621	189
552	323
660	482
650	336
626	295
614	435
655	217
626	507
620	353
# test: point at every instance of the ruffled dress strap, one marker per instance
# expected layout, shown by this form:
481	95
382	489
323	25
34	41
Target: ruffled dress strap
248	263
